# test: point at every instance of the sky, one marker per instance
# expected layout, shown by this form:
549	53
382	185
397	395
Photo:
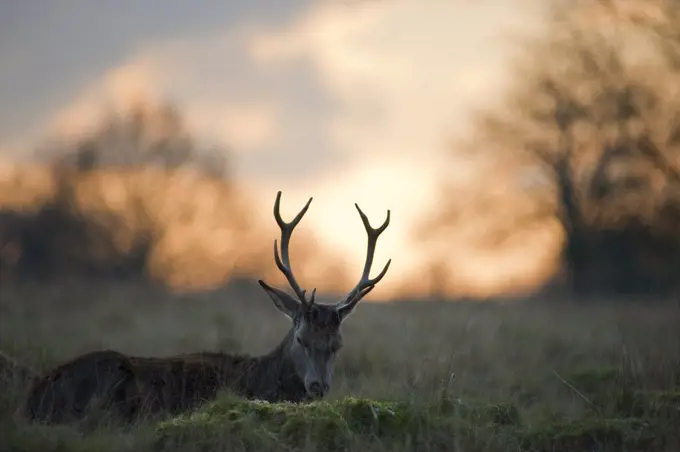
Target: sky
345	101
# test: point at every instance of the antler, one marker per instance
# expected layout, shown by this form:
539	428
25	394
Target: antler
366	284
286	232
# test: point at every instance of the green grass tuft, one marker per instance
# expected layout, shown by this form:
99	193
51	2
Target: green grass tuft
328	425
356	423
628	434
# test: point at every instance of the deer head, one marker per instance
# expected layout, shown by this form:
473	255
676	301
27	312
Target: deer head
315	335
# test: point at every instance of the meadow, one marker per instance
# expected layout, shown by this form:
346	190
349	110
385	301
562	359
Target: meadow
541	375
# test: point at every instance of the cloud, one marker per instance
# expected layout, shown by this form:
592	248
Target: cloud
118	89
400	72
239	127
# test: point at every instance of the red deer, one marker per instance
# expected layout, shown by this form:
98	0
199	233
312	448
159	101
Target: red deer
298	369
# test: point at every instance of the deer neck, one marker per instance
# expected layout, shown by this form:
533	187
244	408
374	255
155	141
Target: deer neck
276	379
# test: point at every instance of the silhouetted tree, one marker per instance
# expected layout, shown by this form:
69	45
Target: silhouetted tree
595	111
60	238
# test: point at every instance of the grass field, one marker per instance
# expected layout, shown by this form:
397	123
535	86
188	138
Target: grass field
468	376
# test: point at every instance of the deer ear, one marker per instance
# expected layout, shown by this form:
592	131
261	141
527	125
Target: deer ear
284	302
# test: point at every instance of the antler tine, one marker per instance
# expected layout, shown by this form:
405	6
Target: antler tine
283	261
312	296
366	284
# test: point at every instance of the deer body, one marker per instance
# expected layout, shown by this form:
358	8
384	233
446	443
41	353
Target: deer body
67	392
182	382
300	368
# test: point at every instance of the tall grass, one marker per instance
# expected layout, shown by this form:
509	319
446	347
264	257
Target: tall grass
491	376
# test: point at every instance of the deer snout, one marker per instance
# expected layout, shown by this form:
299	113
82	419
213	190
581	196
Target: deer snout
317	389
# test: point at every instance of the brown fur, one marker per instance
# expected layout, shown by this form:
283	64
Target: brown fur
182	382
68	392
130	387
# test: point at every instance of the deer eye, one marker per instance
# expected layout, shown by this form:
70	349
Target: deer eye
301	341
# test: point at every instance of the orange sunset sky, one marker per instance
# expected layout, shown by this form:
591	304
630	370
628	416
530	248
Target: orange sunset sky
345	101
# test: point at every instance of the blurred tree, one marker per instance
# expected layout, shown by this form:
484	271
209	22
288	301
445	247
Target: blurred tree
109	216
137	197
145	134
594	112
